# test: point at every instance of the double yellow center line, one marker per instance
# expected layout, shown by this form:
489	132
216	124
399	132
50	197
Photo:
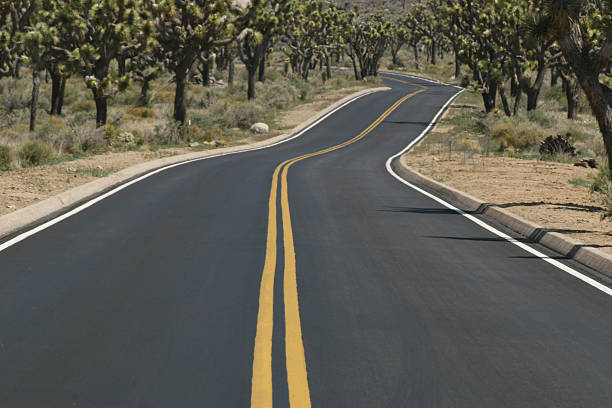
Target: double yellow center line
297	378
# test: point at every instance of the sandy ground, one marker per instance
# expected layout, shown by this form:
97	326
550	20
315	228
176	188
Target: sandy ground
538	191
22	187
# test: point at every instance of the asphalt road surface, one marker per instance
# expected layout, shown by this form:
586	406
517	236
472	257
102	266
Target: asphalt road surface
249	280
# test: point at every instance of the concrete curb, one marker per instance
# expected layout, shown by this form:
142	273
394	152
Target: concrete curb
35	213
570	249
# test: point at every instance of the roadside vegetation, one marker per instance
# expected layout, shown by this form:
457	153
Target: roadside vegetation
82	77
533	90
218	115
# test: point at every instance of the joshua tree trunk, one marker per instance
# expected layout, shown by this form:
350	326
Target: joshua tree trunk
231	70
434	51
502	94
101	109
457	61
144	92
252	73
488	97
180	97
35	95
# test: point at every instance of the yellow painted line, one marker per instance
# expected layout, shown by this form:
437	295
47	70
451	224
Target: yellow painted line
403	82
261	386
297	377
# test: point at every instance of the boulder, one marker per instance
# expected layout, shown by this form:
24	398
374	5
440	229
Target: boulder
260	128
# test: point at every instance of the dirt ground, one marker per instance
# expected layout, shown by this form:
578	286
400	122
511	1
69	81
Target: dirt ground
554	195
22	187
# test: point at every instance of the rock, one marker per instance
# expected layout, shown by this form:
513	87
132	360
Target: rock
194	144
587	162
72	169
10	206
591	162
99	167
260	128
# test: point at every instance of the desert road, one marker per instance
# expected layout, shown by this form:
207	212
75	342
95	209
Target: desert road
299	275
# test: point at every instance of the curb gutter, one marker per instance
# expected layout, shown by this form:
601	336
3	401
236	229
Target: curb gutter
35	213
570	249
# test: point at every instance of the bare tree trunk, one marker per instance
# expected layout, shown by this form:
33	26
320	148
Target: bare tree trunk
101	109
180	96
489	97
261	76
416	56
355	70
62	92
457	61
517	101
434	50
502	94
230	72
252	73
328	66
35	95
144	92
56	85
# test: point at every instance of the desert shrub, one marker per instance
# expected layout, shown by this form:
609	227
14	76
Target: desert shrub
14	95
506	134
271	74
469	146
84	105
576	135
603	185
469	121
602	178
540	118
171	132
277	95
205	135
208	97
89	140
6	157
241	115
111	135
140	112
303	88
338	82
201	119
557	94
529	134
35	153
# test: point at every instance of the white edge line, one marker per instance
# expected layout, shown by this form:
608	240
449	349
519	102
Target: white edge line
481	223
115	190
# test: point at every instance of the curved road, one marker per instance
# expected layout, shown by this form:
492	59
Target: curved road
331	284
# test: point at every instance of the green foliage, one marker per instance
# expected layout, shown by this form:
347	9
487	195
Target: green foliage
6	157
111	135
35	153
601	182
